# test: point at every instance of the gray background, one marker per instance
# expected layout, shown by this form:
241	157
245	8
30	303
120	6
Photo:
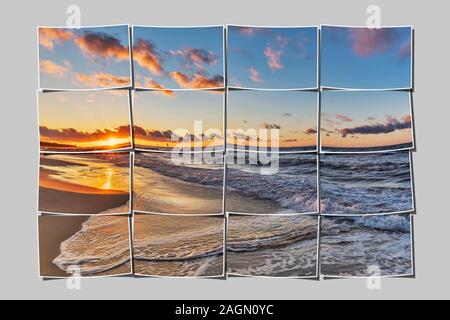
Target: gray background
19	160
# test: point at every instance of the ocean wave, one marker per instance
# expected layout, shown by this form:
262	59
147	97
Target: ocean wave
101	245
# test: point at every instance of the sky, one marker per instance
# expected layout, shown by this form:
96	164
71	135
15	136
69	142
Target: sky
84	58
178	58
84	118
294	113
362	58
365	118
272	58
157	115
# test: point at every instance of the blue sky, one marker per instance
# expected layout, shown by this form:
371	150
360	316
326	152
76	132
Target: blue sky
84	58
293	112
272	58
178	58
361	58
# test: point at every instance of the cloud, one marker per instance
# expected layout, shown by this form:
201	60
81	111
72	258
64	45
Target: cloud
150	83
101	80
287	114
311	131
196	57
389	127
273	58
281	41
51	68
145	54
73	135
269	126
343	118
49	37
98	44
404	53
254	75
248	31
367	42
154	135
197	81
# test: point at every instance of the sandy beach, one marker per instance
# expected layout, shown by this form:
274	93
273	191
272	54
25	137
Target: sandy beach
154	192
61	189
178	246
53	230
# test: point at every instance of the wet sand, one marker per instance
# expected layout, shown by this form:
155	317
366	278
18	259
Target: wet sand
156	193
53	230
52	200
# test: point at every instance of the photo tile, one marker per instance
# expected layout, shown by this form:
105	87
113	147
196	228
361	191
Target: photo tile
178	246
184	184
85	184
273	246
86	58
260	183
366	121
281	121
370	246
188	121
366	58
272	57
83	246
178	58
360	184
84	121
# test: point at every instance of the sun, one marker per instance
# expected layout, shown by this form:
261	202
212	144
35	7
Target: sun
110	142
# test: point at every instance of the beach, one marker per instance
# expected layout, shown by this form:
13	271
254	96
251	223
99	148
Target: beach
272	246
52	232
83	184
161	186
95	246
178	246
290	187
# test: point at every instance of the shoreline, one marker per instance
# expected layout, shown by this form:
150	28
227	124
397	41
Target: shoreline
52	232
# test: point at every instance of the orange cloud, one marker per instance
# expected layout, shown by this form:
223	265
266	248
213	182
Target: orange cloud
274	58
102	80
102	45
49	37
51	68
197	81
255	76
145	55
152	84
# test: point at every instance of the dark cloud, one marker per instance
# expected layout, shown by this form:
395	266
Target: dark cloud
311	131
71	134
269	126
379	128
97	44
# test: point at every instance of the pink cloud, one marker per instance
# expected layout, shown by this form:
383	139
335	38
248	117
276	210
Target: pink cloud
274	58
255	76
367	42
